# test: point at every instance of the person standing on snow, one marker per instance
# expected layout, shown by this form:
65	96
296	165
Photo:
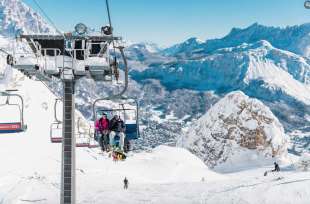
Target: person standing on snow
125	183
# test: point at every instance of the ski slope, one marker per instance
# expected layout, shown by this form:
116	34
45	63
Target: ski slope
30	169
31	164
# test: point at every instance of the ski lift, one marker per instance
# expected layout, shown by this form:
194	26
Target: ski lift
88	55
127	109
82	138
92	142
56	126
16	125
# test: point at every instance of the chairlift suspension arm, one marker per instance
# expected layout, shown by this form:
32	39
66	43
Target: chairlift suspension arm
119	95
55	110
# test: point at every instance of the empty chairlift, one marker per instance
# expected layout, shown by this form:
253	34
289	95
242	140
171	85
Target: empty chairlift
56	126
12	112
82	137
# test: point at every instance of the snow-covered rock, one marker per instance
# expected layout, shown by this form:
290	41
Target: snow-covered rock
239	130
16	16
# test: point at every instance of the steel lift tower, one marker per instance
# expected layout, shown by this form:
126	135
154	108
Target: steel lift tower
69	57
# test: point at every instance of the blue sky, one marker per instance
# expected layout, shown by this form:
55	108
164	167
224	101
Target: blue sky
170	21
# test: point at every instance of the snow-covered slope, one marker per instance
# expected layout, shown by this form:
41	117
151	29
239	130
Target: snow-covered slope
237	131
235	68
32	162
277	77
16	16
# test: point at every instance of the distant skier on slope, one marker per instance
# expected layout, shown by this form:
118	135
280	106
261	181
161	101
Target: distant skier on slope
125	183
276	167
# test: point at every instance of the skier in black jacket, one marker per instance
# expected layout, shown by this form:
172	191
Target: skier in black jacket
117	127
276	167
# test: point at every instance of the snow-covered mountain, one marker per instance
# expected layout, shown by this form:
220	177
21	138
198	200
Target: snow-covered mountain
237	131
184	49
140	55
230	68
16	16
292	38
259	69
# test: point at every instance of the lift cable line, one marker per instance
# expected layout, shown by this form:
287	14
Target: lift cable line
47	17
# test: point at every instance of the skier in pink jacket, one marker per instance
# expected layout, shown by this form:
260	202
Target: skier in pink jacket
102	132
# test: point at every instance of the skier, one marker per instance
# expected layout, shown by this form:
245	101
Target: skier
102	132
117	127
125	183
276	167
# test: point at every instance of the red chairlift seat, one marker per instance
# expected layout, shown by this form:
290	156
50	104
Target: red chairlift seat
15	126
56	132
11	127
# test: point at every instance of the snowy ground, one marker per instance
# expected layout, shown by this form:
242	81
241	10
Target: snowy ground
30	170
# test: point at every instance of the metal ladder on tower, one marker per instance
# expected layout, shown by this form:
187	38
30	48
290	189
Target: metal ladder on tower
68	144
68	61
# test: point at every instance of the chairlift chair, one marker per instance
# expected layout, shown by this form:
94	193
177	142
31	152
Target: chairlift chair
56	132
130	115
83	138
16	125
92	142
56	126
